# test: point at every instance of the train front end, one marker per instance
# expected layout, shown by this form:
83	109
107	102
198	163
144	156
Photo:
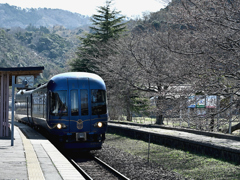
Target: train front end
77	109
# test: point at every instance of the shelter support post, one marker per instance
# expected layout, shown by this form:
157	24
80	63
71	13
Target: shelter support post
13	109
4	104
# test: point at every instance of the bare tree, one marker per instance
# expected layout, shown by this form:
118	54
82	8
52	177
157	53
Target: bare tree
144	62
199	46
215	25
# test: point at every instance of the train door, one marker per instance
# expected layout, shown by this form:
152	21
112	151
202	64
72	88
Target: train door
79	120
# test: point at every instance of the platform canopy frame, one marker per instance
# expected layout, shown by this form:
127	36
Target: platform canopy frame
8	78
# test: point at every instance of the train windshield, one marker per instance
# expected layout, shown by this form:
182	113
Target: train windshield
99	105
58	103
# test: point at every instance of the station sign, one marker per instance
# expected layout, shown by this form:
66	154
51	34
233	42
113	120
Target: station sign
191	102
200	102
211	101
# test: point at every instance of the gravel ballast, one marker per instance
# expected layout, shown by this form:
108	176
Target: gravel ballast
133	167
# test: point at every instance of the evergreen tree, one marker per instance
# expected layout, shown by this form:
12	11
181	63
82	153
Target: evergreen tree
108	24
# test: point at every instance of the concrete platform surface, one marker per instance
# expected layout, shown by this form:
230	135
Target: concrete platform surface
33	157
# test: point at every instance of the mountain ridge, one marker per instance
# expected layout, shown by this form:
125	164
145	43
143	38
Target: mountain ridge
13	16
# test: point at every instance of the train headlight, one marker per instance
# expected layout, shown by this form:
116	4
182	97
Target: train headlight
59	126
99	124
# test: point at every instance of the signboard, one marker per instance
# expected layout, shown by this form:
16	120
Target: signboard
211	101
200	101
191	102
29	79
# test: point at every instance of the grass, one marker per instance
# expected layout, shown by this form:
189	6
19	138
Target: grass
189	165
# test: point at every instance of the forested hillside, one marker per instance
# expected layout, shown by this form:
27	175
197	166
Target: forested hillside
21	47
49	37
39	37
51	48
12	16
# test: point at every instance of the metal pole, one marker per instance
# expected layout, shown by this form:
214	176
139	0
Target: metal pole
13	108
7	108
230	119
1	108
218	111
149	146
180	120
13	105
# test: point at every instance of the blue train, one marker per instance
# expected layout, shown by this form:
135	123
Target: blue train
71	106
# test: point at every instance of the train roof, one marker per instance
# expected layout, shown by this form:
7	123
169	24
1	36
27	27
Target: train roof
77	75
60	81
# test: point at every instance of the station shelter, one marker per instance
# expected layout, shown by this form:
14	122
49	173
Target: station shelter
8	77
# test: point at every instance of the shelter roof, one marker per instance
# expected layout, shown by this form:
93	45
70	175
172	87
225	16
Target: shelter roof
21	71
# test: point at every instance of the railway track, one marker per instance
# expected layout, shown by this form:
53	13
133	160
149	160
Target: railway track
93	168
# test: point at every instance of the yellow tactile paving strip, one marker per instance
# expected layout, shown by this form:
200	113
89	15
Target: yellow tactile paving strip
33	166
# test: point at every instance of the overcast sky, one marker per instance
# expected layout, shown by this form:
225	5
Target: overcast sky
129	8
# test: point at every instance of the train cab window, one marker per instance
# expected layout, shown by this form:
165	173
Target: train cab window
84	102
99	105
58	103
74	103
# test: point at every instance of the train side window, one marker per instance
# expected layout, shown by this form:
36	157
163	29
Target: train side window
84	102
74	103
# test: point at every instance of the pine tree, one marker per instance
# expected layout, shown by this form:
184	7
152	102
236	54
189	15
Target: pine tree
107	24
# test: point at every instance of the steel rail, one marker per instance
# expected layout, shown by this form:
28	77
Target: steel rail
84	173
99	161
117	173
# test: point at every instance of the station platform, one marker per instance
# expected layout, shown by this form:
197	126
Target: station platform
218	145
33	157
